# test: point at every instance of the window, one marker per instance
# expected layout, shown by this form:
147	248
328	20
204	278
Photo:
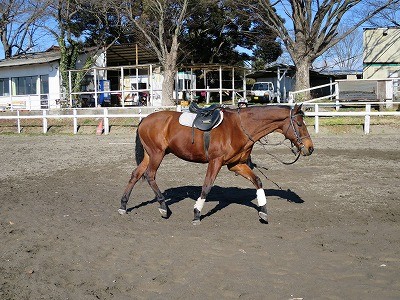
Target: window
25	85
44	84
183	84
4	87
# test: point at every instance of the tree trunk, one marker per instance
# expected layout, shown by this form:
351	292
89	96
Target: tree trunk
302	78
168	88
6	45
169	65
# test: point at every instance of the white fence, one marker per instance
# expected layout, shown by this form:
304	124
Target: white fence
334	92
106	113
84	113
384	90
367	113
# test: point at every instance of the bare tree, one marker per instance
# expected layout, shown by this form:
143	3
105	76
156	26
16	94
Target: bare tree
347	53
160	22
387	17
68	22
308	28
18	20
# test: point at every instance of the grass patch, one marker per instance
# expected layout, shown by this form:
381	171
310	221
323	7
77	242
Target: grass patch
337	121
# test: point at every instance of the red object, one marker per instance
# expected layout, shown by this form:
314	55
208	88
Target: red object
99	129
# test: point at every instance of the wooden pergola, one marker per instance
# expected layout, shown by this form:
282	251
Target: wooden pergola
221	89
136	60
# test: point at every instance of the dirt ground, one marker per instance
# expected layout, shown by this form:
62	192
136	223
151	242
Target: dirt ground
333	232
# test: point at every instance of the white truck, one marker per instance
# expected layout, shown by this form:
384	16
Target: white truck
263	92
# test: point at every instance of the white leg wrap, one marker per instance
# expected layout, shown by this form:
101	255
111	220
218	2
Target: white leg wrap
199	204
262	200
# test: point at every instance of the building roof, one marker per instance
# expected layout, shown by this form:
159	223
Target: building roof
271	71
117	55
130	54
381	28
31	58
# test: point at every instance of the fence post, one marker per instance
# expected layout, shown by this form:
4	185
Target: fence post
291	98
44	121
367	118
106	125
18	122
337	104
75	121
316	119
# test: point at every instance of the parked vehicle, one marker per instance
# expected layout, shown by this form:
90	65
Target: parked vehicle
263	92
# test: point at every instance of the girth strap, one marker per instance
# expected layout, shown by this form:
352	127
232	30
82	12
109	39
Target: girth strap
206	142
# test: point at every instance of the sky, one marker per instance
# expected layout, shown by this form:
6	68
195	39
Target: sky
45	41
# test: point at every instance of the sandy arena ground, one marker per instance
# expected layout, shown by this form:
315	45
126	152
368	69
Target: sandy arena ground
333	232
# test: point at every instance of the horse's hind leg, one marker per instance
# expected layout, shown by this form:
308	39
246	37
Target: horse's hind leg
150	174
136	175
245	171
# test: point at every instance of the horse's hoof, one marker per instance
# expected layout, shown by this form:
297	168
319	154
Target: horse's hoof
263	216
163	212
122	211
196	222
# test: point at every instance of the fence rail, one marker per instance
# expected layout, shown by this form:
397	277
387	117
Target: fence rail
106	113
367	113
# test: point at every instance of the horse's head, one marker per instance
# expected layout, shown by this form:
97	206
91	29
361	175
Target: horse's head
296	131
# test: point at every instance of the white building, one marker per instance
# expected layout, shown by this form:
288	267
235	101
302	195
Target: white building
30	81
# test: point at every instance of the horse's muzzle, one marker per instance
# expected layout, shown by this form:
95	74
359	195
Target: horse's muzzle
303	149
306	151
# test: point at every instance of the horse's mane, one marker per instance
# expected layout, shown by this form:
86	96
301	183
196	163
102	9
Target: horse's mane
277	107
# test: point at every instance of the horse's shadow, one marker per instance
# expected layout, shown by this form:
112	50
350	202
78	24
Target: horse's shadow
223	195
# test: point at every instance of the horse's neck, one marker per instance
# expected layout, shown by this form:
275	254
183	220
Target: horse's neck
259	122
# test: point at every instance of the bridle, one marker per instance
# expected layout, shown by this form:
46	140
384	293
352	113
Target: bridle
299	138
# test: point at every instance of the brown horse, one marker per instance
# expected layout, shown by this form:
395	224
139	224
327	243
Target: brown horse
230	144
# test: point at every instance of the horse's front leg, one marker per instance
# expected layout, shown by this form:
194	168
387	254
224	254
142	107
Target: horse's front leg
213	168
245	171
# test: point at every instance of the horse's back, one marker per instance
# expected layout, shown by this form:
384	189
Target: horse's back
158	120
156	126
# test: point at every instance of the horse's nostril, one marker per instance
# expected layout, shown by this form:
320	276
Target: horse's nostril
311	150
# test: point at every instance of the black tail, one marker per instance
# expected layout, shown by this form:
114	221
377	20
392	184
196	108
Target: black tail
139	150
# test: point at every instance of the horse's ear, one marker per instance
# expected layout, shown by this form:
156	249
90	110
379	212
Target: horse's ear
297	107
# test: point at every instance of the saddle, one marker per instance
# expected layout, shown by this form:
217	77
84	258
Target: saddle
207	117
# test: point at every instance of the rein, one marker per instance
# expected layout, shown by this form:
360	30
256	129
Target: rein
264	144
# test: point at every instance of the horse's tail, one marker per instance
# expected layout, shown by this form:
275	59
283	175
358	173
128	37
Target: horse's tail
139	150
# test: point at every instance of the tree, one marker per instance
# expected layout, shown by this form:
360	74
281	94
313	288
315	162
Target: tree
76	24
213	27
387	17
161	24
265	48
18	19
308	28
222	30
347	53
66	32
